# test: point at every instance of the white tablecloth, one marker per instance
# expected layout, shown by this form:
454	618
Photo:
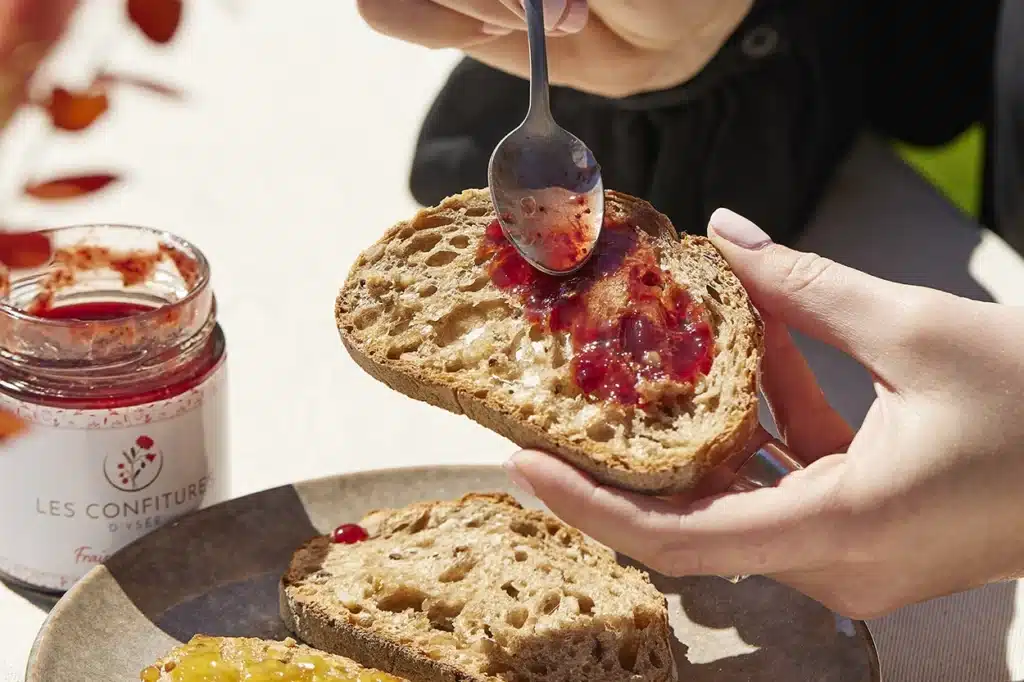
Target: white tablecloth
291	155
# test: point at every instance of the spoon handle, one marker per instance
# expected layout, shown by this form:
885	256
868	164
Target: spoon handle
540	106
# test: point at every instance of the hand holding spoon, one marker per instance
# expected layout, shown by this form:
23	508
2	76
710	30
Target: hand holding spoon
545	184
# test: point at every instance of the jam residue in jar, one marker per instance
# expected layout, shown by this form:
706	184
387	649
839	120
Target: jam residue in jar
632	327
97	310
134	267
349	534
208	659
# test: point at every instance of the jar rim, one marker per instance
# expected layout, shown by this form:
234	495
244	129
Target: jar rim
196	288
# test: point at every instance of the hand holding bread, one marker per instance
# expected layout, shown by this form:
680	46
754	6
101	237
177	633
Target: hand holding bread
921	501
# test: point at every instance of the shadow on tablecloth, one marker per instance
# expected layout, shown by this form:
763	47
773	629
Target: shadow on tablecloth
881	218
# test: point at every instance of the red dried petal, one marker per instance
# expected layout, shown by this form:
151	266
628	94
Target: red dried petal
77	110
20	250
70	187
11	425
157	19
144	442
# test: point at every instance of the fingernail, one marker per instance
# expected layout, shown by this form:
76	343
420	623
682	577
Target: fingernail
736	229
517	478
553	11
576	18
495	30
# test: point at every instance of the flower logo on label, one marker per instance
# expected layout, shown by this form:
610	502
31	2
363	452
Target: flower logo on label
136	468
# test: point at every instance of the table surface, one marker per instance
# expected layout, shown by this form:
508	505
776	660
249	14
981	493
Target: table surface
290	155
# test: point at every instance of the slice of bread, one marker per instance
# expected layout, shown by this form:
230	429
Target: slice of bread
220	659
479	589
420	313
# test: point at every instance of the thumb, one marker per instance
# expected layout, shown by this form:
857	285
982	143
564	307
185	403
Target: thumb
858	313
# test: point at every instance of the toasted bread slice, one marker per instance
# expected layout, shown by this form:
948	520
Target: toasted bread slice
478	589
242	658
420	313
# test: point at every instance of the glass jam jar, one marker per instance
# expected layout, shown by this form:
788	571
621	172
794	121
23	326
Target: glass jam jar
112	358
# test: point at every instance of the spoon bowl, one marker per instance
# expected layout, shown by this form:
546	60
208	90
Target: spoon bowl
545	184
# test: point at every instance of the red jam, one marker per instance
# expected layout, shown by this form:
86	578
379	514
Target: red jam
99	310
630	324
349	534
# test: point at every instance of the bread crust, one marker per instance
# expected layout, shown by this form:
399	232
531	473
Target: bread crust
605	463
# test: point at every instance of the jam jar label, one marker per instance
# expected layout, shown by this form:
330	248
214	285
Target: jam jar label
80	484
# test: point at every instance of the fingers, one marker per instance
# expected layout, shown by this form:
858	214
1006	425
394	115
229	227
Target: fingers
806	421
464	23
860	314
700	25
594	59
766	531
423	22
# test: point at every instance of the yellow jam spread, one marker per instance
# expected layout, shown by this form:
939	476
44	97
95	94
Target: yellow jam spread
212	659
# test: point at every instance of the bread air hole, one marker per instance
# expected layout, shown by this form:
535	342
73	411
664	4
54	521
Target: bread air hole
401	599
458	571
400	327
642	619
420	523
466	318
549	603
422	242
524	528
714	295
366	317
520	555
510	590
655	660
477	211
586	604
440	258
475	284
427	291
428	221
517	616
627	653
600	432
442	615
405	345
459	241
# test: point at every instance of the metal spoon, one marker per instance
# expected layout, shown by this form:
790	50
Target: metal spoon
545	184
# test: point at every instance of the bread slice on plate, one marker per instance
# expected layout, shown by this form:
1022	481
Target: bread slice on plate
641	369
478	589
231	659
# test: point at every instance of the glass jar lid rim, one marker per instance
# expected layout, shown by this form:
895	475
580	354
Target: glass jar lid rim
177	242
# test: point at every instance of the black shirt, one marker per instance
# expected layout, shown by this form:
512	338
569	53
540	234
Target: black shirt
761	129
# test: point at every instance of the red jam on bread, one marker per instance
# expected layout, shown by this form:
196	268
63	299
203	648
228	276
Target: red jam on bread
636	334
349	534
